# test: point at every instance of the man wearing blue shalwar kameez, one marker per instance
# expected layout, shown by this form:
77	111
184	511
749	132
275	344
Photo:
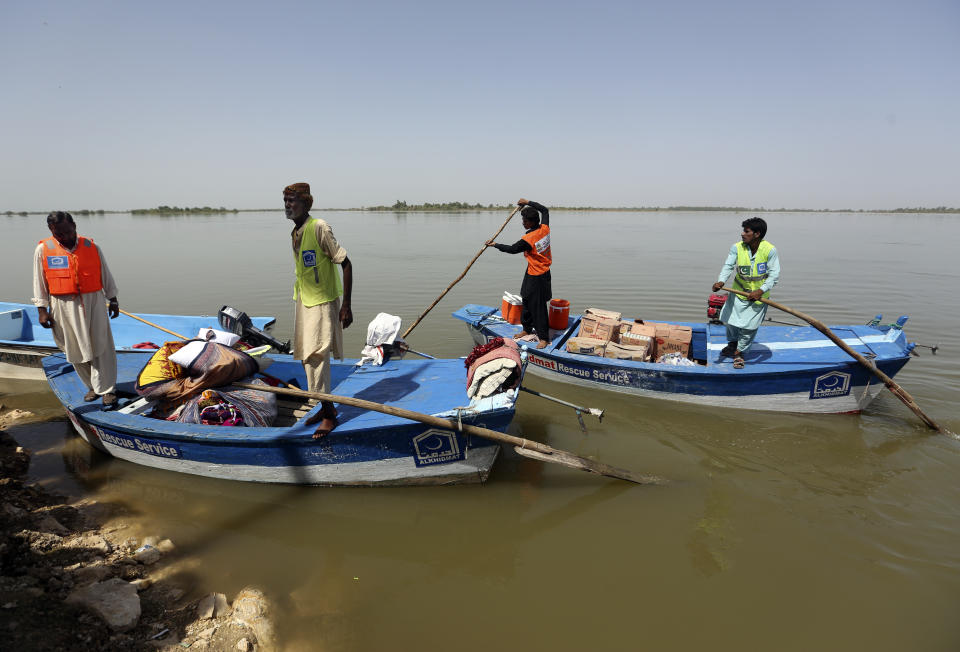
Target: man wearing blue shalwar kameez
757	270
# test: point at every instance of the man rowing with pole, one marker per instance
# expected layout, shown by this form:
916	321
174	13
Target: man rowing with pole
536	290
757	268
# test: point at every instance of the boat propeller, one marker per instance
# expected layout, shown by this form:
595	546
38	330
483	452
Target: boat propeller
239	323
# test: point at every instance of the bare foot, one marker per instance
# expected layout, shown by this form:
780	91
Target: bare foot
520	334
542	344
325	428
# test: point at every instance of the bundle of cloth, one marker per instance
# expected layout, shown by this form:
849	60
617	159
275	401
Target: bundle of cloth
231	406
190	382
383	340
493	367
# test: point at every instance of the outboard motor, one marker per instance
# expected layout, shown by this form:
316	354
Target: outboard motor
238	322
714	306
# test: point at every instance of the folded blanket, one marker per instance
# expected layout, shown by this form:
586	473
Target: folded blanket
495	370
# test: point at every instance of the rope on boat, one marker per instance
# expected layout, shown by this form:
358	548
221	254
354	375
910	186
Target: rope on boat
487	317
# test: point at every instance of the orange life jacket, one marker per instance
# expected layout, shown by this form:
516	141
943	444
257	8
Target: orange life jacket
75	272
539	257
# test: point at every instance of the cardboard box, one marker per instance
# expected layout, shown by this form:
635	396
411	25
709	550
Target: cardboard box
599	327
586	346
627	352
671	338
641	327
630	338
606	314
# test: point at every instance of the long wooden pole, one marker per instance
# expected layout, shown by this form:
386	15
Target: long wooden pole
150	323
523	446
897	390
444	293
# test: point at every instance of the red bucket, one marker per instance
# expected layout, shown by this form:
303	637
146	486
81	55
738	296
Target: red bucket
559	314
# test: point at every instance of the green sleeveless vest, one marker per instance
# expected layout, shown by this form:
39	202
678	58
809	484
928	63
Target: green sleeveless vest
751	275
318	280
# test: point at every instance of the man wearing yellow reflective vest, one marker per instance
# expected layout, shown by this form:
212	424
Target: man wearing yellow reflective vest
757	269
320	316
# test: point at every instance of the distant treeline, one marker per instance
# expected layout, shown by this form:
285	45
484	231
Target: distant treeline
453	206
401	206
84	211
745	209
176	210
446	206
938	209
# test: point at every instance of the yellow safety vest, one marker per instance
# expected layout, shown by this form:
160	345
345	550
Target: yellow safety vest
318	280
752	273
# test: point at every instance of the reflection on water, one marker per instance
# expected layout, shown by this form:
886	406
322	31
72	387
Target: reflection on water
710	539
850	520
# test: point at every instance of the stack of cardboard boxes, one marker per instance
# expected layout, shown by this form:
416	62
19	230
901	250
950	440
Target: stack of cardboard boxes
604	333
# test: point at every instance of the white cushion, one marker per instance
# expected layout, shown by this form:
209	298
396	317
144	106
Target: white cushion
220	337
187	353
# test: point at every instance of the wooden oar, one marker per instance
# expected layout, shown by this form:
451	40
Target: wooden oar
897	390
444	293
525	447
150	323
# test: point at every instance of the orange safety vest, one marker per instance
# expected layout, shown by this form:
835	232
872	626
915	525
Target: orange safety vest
75	272
539	257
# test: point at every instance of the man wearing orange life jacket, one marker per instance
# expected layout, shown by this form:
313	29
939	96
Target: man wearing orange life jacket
71	281
536	290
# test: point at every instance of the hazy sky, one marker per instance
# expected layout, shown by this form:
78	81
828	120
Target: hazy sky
817	104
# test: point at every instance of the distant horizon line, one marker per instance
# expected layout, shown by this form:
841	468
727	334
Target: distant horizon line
438	208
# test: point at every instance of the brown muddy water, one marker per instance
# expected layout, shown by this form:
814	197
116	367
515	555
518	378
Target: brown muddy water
779	532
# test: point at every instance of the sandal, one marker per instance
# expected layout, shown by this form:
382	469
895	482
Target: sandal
326	417
738	362
729	349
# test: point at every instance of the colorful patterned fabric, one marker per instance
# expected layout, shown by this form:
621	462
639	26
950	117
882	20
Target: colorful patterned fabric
216	366
221	414
231	406
159	369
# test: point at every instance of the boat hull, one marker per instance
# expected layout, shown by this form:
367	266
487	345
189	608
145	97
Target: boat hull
791	370
305	465
366	449
22	362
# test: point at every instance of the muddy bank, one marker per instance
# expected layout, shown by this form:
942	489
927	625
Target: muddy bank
79	575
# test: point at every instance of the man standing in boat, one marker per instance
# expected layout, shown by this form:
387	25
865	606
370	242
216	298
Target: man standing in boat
320	316
757	269
71	282
536	290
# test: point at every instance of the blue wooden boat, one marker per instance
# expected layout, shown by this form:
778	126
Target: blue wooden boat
24	342
788	368
367	448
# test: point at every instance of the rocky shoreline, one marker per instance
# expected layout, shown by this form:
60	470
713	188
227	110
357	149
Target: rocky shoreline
73	575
